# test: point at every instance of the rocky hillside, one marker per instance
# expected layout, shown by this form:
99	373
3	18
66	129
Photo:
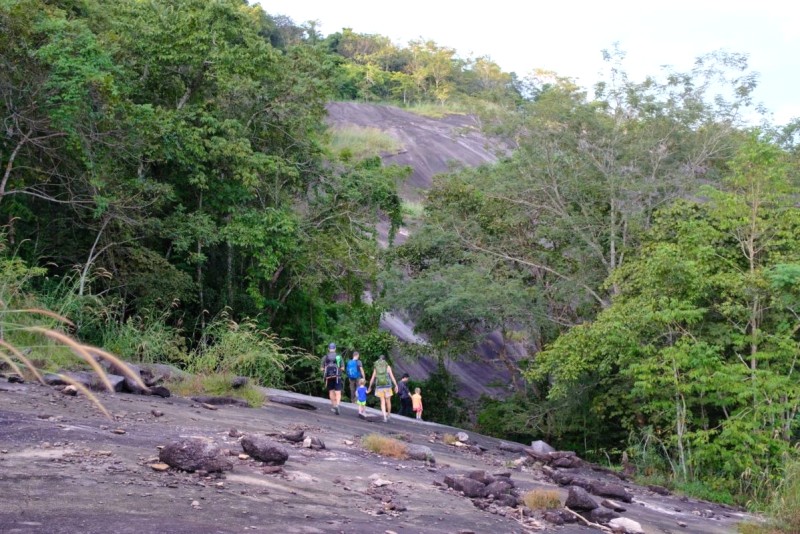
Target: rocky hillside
180	465
432	146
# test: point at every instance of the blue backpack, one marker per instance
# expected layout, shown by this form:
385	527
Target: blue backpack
352	369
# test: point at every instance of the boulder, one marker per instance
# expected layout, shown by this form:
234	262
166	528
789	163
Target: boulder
481	476
239	382
471	488
614	491
314	443
420	452
295	437
221	401
265	450
463	437
194	454
510	447
499	487
623	525
566	462
661	490
506	500
540	447
579	499
160	391
602	515
129	385
612	505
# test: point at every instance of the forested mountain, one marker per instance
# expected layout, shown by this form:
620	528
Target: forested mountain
169	184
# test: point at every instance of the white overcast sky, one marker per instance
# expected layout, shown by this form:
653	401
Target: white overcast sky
567	36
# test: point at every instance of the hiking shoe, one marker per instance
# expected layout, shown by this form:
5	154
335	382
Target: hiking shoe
385	419
336	410
333	410
362	416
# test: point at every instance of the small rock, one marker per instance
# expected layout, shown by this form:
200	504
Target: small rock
244	456
541	447
612	505
380	482
194	454
157	413
459	444
118	431
70	390
196	504
682	524
208	406
462	436
233	433
295	437
272	469
348	442
625	525
16	379
265	450
159	466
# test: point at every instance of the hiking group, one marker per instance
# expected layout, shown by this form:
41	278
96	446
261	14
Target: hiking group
333	368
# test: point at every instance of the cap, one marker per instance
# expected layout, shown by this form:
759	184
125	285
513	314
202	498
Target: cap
332	346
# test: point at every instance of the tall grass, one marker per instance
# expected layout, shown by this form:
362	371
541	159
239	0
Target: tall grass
356	142
385	446
218	384
542	499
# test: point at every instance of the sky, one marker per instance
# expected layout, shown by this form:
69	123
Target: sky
568	37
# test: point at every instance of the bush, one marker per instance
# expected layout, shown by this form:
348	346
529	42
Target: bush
541	499
784	510
385	446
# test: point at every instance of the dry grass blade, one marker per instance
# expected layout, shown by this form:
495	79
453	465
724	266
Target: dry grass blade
6	358
89	395
47	313
78	349
22	357
121	366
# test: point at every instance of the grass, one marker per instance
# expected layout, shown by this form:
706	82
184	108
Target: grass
436	111
359	143
385	446
219	385
541	499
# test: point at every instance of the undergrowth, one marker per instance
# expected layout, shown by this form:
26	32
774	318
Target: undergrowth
217	384
385	446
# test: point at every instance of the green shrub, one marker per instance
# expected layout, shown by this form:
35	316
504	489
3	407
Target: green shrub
218	385
358	143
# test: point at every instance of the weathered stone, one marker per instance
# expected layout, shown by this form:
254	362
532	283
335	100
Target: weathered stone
540	447
499	487
471	488
480	476
661	490
160	391
312	442
221	401
553	517
506	500
614	491
87	379
265	450
602	515
420	452
623	525
510	447
70	390
566	462
502	474
612	505
128	384
579	499
194	454
159	466
294	403
16	379
462	437
157	413
239	382
295	437
561	478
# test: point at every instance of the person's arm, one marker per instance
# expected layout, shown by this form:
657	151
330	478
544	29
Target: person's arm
361	370
391	374
371	380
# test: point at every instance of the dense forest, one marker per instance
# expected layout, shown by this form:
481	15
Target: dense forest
169	185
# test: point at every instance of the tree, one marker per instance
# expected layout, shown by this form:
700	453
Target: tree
700	343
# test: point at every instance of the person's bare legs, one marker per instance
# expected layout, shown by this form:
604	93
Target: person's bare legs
383	405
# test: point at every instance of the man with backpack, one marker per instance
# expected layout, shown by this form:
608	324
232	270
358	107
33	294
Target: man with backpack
332	367
355	371
383	378
405	396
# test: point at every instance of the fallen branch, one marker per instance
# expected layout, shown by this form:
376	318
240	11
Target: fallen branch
589	523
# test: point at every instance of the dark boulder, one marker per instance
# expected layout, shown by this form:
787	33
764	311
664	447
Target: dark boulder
579	499
602	515
265	450
471	488
614	491
194	454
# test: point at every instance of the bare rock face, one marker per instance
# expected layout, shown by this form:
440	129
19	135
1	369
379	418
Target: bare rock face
194	454
265	450
579	499
541	447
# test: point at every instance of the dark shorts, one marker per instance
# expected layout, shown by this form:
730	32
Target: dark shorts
334	384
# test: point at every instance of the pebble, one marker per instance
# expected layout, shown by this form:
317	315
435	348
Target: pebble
159	467
118	431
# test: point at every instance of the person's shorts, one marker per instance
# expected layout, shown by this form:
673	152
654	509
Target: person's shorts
361	403
334	384
383	392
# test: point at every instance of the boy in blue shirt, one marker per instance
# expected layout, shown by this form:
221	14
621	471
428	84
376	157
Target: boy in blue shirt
361	395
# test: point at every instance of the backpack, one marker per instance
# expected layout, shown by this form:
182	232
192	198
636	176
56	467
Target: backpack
331	368
382	373
352	369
